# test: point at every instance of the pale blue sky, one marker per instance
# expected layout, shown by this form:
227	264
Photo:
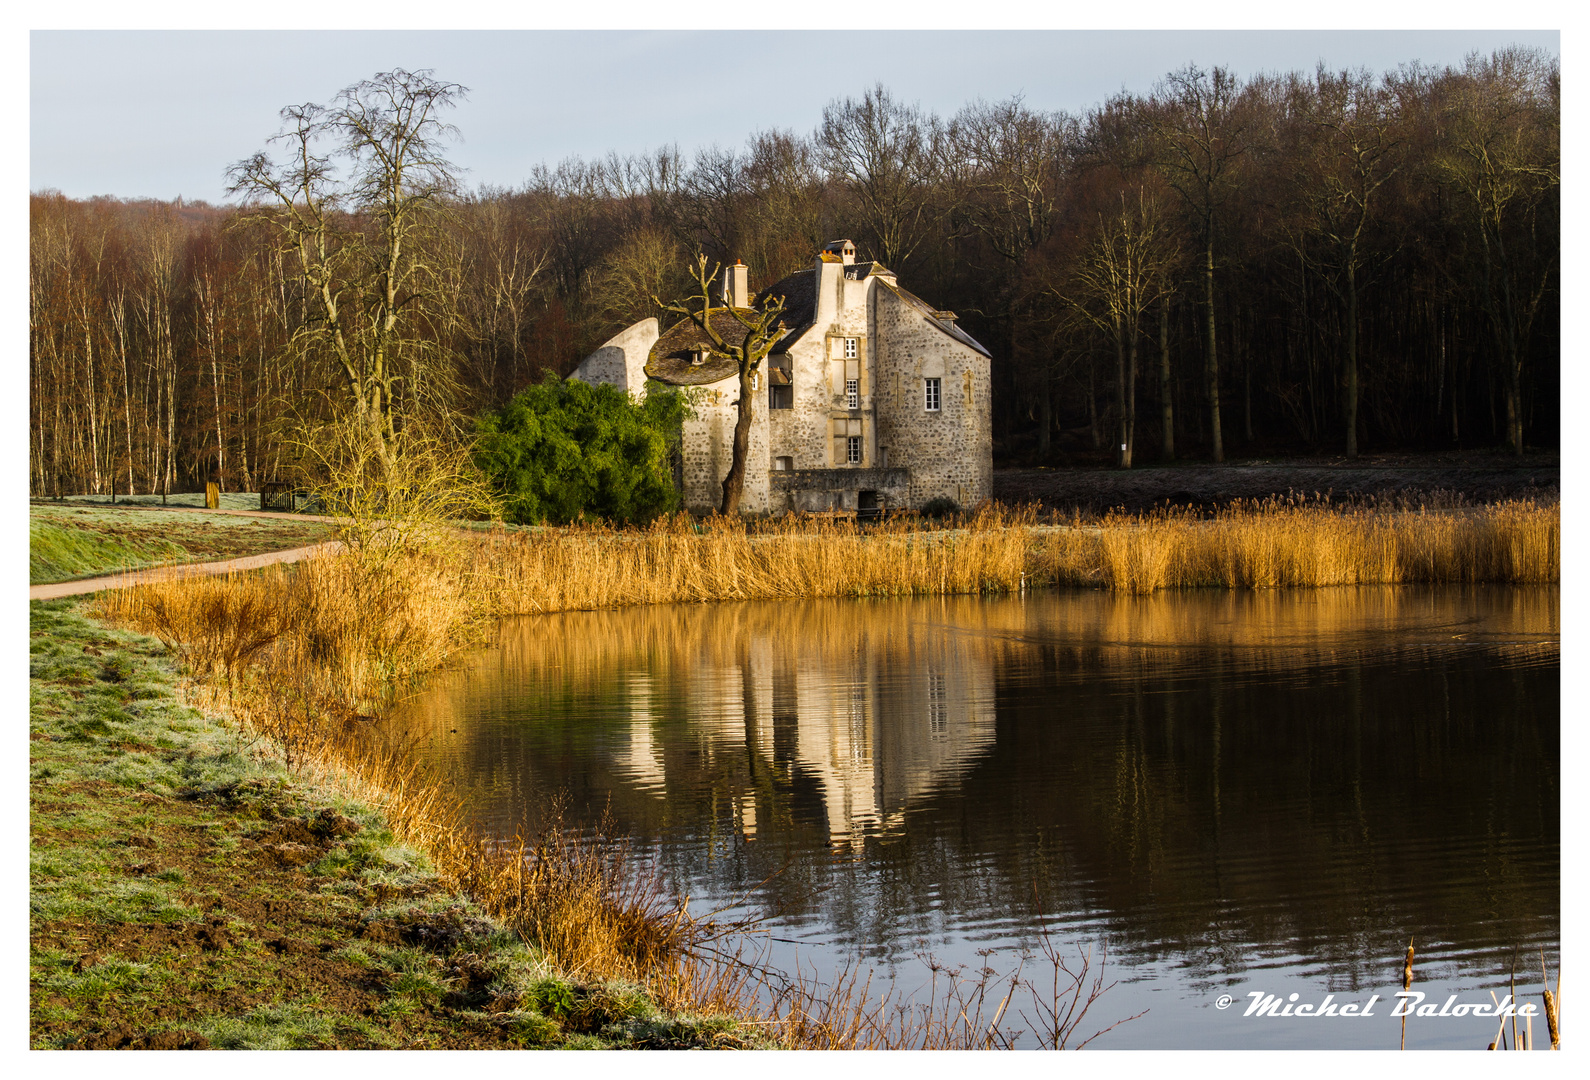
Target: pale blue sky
162	113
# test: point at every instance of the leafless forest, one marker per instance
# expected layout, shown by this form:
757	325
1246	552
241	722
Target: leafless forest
1323	261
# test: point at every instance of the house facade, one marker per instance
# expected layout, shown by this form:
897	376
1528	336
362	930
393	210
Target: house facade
870	398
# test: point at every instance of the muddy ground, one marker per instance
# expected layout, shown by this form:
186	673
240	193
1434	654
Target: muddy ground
1437	478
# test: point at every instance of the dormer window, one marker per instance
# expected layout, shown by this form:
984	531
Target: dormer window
698	357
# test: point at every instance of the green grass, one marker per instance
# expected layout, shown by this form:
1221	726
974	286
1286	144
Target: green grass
62	553
70	542
275	1027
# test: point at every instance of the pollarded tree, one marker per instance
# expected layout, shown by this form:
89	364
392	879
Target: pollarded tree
358	241
746	336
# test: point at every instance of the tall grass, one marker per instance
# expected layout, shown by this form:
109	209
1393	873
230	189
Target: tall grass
1295	543
309	655
676	559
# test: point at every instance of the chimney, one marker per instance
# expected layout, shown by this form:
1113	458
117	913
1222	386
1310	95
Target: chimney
736	285
845	249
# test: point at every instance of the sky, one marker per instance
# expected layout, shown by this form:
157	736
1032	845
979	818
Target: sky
161	113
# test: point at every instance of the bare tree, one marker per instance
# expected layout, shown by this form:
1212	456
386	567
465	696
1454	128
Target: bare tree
1200	136
1005	167
1502	156
885	155
787	216
497	266
1006	164
758	330
1350	153
358	242
644	265
1126	271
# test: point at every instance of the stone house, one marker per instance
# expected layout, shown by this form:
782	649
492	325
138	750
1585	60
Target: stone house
871	398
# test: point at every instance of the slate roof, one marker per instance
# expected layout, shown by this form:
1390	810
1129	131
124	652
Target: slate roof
799	291
931	314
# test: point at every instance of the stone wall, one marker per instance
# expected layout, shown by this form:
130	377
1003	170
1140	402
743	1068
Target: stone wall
805	490
621	361
950	452
708	448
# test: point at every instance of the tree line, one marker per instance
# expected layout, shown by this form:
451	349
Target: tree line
1326	261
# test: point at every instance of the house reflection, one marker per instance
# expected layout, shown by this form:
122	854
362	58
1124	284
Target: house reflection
898	714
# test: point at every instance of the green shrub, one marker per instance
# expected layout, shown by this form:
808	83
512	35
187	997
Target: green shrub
565	451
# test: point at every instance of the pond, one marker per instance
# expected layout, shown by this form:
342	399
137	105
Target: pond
1234	794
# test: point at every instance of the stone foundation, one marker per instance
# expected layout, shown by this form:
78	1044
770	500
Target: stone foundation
804	490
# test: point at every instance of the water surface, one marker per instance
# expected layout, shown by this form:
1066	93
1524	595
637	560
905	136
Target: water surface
1232	792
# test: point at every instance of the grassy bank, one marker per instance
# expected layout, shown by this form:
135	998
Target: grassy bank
67	542
189	890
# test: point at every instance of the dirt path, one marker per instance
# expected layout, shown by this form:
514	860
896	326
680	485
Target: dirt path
134	577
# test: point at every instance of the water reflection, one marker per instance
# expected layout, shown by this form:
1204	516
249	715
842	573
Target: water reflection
1229	787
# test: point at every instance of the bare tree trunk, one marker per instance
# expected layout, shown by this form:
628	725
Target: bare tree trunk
1093	407
734	482
1125	388
1167	410
93	406
1352	360
1211	363
1515	407
1045	412
1129	405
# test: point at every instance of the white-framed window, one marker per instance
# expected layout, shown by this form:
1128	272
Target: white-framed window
784	464
930	394
852	393
853	449
850	348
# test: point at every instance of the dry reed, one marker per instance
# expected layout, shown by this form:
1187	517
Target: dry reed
1296	543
